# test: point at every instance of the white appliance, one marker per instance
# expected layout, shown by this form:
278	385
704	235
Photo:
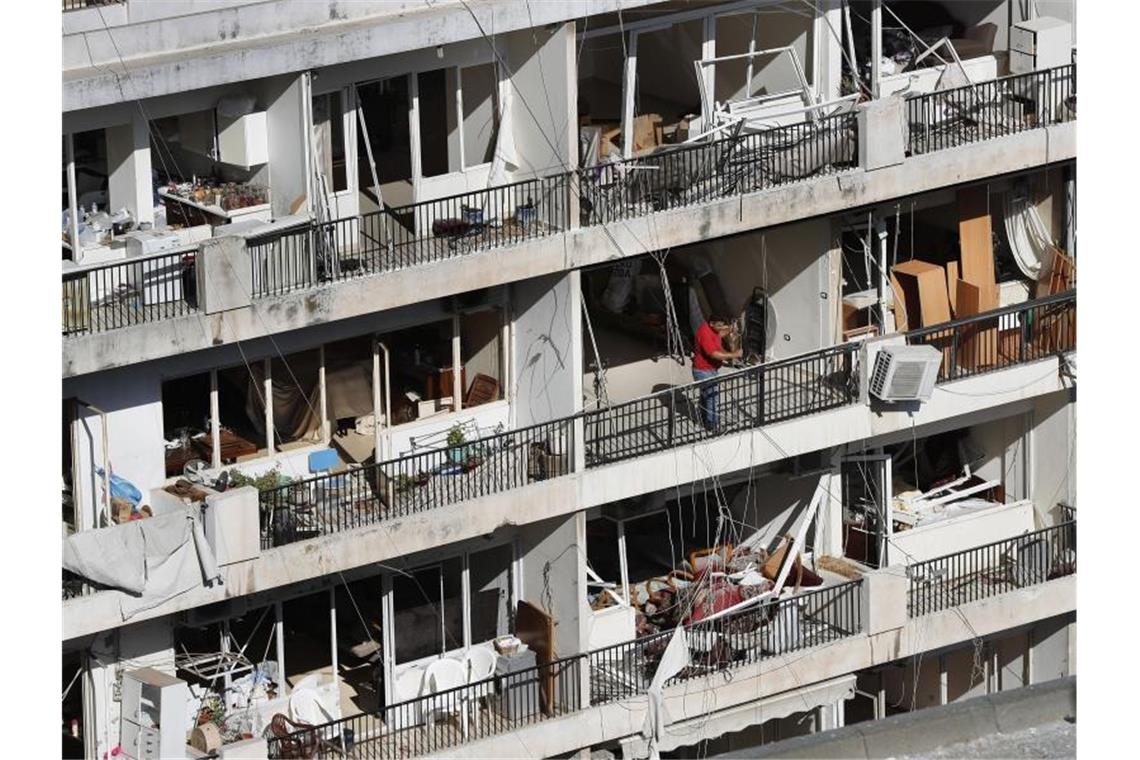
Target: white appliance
151	241
1040	43
154	710
905	373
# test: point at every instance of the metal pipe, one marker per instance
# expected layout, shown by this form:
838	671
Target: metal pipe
106	460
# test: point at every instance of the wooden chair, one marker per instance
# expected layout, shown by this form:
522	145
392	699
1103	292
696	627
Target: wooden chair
291	743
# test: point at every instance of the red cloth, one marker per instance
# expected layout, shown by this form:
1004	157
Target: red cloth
707	342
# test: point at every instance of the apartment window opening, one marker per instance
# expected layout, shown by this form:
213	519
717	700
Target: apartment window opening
349	398
481	341
479	85
428	611
329	142
422	373
185	421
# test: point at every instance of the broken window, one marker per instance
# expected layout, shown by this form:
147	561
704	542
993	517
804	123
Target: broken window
308	639
91	170
73	671
349	398
428	611
241	413
666	88
481	348
296	399
385	104
439	146
421	371
328	139
491	593
479	86
768	74
185	420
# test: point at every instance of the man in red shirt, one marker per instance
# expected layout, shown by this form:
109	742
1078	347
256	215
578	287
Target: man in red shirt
708	356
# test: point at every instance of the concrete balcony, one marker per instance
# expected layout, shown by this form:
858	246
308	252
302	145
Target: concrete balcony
182	45
782	657
334	523
335	260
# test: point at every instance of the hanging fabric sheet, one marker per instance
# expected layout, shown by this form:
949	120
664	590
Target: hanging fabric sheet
1028	235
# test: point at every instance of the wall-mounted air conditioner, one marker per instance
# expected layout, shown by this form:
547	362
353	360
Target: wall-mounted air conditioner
904	373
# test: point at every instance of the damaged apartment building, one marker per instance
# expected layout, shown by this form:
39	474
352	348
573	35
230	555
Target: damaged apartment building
381	431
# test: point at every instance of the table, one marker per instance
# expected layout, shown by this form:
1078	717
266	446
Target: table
185	209
233	446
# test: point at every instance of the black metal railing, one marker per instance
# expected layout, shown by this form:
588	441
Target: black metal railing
1004	337
722	168
766	630
995	568
406	236
131	292
74	5
1005	106
749	398
416	483
445	719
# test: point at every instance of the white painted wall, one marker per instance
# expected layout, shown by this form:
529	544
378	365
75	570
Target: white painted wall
544	100
1054	455
287	115
551	578
792	263
546	364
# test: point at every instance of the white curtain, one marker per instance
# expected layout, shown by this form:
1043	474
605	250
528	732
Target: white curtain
506	156
1029	240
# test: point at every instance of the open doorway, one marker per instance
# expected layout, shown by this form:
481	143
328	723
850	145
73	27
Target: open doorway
386	104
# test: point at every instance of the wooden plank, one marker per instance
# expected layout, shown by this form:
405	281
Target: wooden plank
975	235
898	304
977	343
951	286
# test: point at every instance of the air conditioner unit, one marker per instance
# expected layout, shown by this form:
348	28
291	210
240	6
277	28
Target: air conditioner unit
905	373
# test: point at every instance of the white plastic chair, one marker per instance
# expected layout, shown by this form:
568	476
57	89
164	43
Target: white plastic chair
479	663
442	675
410	684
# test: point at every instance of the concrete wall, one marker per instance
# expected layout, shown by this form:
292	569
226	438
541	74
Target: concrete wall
288	117
543	105
202	50
1007	450
1054	454
546	362
552	579
1049	656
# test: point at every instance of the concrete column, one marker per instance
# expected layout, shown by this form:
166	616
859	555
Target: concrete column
584	611
72	200
943	680
884	600
627	98
128	163
876	44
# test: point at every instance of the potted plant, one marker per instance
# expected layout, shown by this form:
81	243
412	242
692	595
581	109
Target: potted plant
456	451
